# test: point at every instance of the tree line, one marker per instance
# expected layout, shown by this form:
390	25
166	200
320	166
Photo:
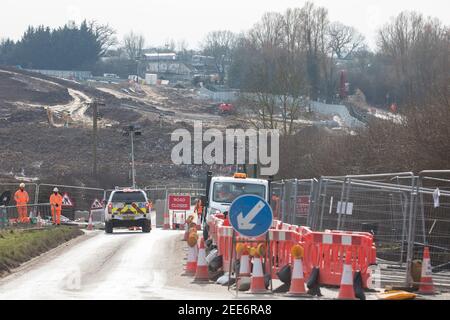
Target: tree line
282	61
300	53
71	47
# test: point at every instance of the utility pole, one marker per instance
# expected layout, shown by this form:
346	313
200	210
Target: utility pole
132	131
137	70
94	142
95	118
133	170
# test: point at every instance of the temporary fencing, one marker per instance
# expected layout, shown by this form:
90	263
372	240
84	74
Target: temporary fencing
31	188
36	215
430	229
79	198
292	200
399	210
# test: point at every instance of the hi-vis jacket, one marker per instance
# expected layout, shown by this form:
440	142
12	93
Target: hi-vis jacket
21	197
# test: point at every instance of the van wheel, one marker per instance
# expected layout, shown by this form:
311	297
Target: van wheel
108	227
147	226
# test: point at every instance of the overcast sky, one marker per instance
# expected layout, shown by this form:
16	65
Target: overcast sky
160	20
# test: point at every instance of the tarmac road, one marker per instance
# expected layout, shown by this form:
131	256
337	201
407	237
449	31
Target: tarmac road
124	265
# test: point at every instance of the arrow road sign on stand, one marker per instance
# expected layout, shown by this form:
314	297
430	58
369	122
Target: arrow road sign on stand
250	216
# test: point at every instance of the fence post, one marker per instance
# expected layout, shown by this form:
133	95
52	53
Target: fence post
36	194
323	201
283	201
339	207
411	234
312	205
294	214
347	194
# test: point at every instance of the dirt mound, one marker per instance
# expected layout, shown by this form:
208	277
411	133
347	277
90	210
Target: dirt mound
20	88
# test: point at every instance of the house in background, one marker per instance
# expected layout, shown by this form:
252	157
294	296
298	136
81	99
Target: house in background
169	66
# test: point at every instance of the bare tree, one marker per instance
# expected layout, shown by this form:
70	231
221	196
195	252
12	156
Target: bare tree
133	45
219	45
276	82
105	35
417	50
344	40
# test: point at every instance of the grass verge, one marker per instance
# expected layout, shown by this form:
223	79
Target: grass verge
19	246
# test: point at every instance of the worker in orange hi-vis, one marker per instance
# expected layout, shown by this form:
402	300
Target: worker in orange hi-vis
56	204
199	210
21	197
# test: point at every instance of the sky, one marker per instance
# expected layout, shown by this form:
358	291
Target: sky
162	20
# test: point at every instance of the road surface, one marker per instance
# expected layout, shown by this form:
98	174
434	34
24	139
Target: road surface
124	265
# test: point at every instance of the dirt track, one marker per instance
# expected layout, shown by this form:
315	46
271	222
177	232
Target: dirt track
32	147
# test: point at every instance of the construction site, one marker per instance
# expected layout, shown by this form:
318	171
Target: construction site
292	159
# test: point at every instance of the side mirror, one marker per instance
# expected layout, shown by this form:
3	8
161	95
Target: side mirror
104	202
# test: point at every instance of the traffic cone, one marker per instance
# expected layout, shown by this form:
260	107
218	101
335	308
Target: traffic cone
426	280
201	273
166	221
90	226
346	291
297	282
244	265
257	284
191	265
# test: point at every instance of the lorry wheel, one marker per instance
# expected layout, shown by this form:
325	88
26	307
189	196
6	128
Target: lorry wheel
147	226
108	227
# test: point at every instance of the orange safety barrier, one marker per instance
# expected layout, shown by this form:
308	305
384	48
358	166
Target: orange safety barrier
224	245
328	250
325	250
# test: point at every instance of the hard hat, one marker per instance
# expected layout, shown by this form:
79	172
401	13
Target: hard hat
55	190
22	185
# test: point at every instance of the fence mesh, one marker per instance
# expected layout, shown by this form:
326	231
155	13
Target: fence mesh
432	224
9	216
11	188
81	198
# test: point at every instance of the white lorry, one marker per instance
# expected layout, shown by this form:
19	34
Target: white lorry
222	191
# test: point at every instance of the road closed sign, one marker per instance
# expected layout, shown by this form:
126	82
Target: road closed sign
179	203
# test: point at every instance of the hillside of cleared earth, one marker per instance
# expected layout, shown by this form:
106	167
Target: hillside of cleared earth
32	147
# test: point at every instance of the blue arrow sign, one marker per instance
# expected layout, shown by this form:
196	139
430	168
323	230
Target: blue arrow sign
250	216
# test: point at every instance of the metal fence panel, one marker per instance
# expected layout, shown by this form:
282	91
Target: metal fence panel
31	188
81	197
9	216
432	224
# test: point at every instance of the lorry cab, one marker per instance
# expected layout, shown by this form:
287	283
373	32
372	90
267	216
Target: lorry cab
224	190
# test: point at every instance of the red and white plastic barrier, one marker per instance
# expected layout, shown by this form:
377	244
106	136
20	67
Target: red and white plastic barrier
325	250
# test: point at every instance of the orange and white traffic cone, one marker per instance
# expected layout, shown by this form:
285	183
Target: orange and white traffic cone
297	282
90	226
426	280
257	283
191	265
166	221
244	265
201	274
346	291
